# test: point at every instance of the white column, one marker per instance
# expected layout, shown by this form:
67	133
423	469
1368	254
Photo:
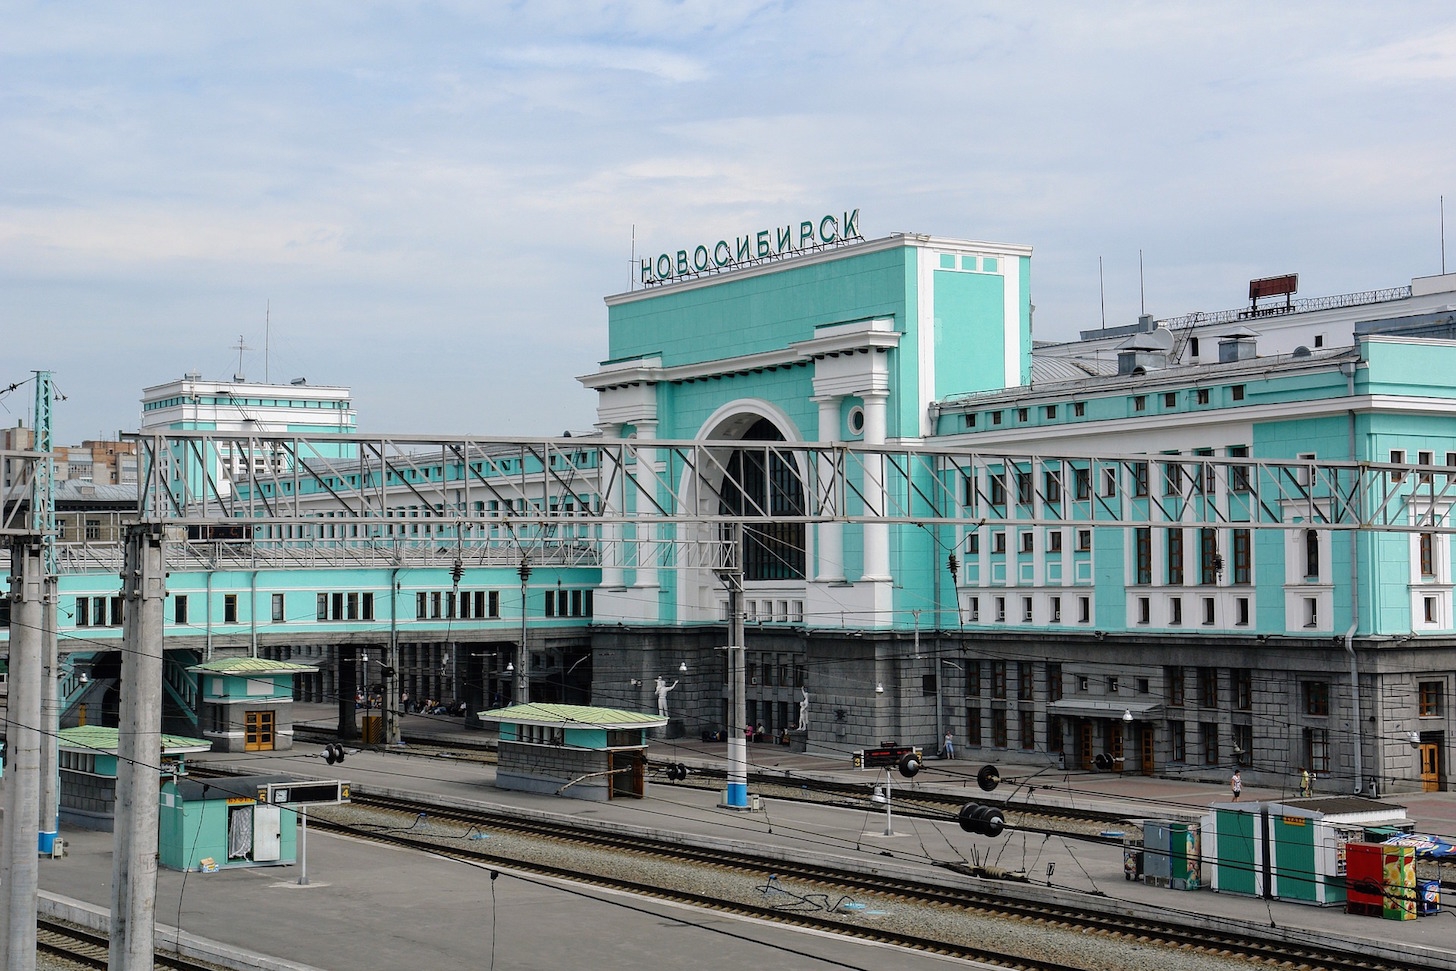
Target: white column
646	506
22	736
876	535
829	537
610	484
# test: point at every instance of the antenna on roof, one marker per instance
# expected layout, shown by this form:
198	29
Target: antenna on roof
267	333
240	346
1102	292
632	266
1443	235
1142	298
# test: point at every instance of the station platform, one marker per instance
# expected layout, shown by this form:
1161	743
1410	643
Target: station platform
368	906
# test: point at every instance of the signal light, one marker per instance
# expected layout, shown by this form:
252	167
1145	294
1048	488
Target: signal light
333	753
909	765
985	820
988	778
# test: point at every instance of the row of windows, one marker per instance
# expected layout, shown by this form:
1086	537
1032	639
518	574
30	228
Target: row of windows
1175	476
349	605
1137	404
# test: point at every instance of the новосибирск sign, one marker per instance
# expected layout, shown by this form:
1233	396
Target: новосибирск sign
762	245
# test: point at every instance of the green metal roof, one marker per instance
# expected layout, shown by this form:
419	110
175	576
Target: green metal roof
583	715
250	665
97	738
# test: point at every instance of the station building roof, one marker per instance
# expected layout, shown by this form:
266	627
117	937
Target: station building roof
97	738
246	666
582	716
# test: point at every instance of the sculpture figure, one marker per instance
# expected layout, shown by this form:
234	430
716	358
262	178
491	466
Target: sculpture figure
804	710
661	690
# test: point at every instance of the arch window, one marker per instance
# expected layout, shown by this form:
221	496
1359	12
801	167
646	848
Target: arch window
761	484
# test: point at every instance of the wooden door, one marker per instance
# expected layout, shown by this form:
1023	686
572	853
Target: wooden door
1430	767
1145	739
1115	747
258	731
1085	743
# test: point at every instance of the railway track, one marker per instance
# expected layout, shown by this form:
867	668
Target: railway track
830	880
90	949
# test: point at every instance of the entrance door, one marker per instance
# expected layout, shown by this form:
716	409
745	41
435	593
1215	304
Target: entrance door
1145	743
258	731
1084	744
1114	746
267	834
626	773
1430	767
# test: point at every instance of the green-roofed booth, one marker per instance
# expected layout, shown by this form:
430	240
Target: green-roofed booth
246	703
573	750
228	822
88	764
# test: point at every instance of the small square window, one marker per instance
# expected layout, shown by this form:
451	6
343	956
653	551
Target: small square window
970	419
1054	541
1051	411
1079	409
1203	396
998	542
1112	685
995	417
1142	686
1028	542
1084	540
1139	402
1170	399
1319	340
1237	392
973	543
1021	414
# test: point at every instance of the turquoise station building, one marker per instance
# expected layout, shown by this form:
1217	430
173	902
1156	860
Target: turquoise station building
1152	645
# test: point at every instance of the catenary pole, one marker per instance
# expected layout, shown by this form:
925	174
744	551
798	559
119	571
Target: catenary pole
736	796
139	751
22	736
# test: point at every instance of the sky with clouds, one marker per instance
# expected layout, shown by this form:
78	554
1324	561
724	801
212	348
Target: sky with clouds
434	198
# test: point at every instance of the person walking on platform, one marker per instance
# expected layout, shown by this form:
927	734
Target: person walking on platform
1304	783
1236	784
948	750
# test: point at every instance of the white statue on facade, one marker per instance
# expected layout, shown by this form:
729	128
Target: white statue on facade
661	690
804	710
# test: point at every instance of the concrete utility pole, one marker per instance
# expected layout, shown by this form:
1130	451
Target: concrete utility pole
21	870
731	573
523	656
43	522
139	751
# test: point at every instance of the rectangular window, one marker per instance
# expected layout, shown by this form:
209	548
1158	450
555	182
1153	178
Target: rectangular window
1028	541
1424	458
970	420
995	417
1237	392
1175	557
352	606
1139	402
1056	617
1000	610
336	601
422	605
1021	414
1317	750
1241	606
1140	479
1113	684
1203	396
1208	735
1053	681
230	608
495	603
973	543
367	606
277	608
1428	557
1026	730
321	607
998	490
83	612
1430	699
1079	410
1316	698
1177	745
1173	679
1024	685
1170	399
998	679
1208	687
973	727
1143	545
1051	411
1084	610
998	728
1238	474
1082	484
1208	619
1084	540
998	542
1172	478
973	609
1109	482
1054	541
1023	488
1052	486
1243	557
1145	610
1026	610
550	606
1242	680
1175	608
93	529
928	687
973	679
179	609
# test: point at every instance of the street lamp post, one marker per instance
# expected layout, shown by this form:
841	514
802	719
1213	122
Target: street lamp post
523	667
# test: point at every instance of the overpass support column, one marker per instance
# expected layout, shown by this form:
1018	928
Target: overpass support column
139	749
830	545
876	535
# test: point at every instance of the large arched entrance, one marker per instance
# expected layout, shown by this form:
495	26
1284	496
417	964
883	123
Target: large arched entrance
760	485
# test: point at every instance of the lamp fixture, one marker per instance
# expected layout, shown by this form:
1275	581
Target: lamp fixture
1127	714
510	667
682	668
879	688
636	682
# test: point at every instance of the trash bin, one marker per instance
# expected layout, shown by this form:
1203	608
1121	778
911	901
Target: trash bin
373	729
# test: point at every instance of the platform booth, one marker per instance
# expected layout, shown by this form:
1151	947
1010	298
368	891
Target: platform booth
1173	854
215	824
87	762
1296	850
245	704
577	751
